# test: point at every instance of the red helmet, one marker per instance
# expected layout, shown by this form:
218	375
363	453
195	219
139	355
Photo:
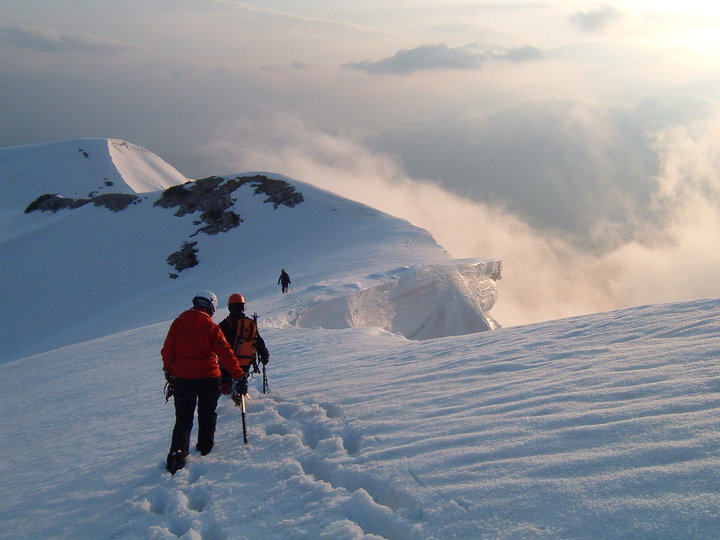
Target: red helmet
236	298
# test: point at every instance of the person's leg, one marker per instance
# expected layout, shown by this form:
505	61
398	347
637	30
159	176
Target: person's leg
185	399
208	394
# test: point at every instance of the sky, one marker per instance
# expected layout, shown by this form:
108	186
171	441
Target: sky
581	134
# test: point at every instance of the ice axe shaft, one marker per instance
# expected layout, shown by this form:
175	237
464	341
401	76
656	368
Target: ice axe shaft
244	422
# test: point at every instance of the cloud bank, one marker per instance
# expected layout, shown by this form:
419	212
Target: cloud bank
440	56
574	168
545	275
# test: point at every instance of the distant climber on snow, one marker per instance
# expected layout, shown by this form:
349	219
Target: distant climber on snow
242	333
190	355
284	280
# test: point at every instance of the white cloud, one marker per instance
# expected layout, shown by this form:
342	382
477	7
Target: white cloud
596	19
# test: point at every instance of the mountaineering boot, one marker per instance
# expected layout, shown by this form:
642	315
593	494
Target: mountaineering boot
175	461
203	451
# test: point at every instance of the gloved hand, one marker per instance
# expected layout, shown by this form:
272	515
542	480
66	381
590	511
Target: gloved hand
169	389
265	359
240	386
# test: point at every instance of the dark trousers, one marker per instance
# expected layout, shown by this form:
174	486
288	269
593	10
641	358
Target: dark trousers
190	392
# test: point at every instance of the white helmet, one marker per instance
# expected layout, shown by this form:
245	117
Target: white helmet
206	299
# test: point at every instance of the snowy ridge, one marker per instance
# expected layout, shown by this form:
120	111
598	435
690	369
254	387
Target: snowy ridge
603	426
79	168
142	170
113	253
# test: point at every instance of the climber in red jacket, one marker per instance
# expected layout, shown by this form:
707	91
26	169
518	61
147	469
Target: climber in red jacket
193	347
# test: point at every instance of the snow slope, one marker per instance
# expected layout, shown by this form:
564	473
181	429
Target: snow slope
95	270
603	426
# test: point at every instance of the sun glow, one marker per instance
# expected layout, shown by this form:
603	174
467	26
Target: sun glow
692	27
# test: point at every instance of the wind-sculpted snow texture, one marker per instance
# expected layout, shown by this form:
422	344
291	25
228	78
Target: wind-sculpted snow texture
603	426
419	303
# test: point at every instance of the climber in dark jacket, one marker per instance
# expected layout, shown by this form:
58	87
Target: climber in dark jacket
284	280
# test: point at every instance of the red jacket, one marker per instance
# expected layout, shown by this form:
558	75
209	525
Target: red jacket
193	346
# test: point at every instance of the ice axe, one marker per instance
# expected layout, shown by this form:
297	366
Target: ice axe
242	401
238	397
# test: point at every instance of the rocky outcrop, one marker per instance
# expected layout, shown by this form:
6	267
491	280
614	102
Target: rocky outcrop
53	202
184	258
212	197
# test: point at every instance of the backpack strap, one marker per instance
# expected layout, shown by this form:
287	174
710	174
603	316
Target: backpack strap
238	332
